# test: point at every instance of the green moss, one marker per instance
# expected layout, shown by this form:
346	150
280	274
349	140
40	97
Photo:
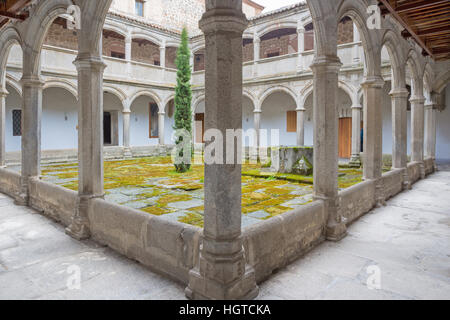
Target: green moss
155	210
193	219
170	198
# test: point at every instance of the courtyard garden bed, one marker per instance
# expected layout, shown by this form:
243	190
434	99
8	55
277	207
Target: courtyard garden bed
152	185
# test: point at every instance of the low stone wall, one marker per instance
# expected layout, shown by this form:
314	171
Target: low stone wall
273	244
166	247
429	166
9	182
53	201
357	200
392	183
413	172
109	153
284	158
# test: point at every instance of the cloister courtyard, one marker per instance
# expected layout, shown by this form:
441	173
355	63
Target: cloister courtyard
152	185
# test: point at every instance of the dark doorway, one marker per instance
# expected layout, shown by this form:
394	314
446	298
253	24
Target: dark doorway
107	128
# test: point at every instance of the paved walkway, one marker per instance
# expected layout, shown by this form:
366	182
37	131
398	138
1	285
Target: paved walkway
407	243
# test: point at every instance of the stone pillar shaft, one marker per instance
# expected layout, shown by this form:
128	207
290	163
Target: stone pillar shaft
2	128
373	131
356	136
301	47
31	133
162	56
325	70
417	128
256	54
90	140
161	127
300	127
257	123
399	127
126	128
430	141
222	272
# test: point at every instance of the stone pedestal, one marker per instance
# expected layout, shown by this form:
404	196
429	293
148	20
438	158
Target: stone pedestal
222	272
31	134
326	124
90	140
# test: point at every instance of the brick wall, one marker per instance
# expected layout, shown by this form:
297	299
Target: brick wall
345	31
59	36
283	45
146	52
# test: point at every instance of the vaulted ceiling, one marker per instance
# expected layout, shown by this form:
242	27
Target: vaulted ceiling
427	21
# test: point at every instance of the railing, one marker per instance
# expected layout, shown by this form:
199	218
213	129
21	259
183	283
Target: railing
60	61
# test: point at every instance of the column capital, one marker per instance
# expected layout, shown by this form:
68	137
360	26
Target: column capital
300	29
3	93
329	62
161	113
257	111
417	99
399	93
257	40
300	109
373	82
83	62
32	81
223	20
428	106
127	111
356	106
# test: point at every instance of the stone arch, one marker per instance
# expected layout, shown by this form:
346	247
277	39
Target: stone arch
116	92
147	93
441	81
276	25
35	30
428	78
146	36
63	84
14	83
167	100
197	101
417	72
272	90
8	37
394	47
251	97
357	11
348	89
117	28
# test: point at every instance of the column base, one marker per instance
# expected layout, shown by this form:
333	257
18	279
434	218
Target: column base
355	162
336	232
79	226
22	200
422	170
127	153
202	288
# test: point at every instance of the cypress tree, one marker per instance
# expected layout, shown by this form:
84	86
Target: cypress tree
183	113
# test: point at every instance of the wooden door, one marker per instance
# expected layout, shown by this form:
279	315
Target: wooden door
199	127
345	138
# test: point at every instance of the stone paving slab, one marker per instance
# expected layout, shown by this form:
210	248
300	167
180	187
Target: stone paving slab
408	240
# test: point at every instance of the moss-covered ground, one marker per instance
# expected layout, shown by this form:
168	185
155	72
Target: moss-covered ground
152	185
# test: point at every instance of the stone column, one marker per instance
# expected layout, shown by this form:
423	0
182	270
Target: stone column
161	127
257	124
90	140
356	46
430	138
31	133
417	128
373	134
399	127
126	128
128	43
3	95
300	126
162	55
222	272
325	70
301	47
355	160
373	141
256	52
